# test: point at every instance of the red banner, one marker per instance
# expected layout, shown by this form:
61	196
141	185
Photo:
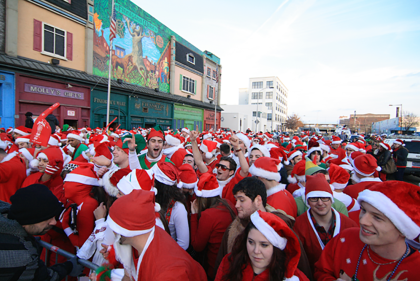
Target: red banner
41	131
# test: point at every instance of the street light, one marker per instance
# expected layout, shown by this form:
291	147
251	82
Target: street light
398	116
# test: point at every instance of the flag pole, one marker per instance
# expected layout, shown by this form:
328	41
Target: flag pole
215	112
109	69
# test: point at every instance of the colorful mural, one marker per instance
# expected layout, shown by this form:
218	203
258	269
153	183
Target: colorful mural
141	51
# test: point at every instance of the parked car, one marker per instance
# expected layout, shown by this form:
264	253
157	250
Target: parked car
413	158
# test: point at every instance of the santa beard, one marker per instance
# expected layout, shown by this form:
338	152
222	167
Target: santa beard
354	178
123	254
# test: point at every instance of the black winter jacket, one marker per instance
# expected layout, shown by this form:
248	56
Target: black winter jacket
400	157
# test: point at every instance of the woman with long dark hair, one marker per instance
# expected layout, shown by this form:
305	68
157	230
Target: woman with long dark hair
267	250
210	217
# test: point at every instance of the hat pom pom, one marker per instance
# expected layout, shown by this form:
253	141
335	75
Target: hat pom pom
153	189
157	207
180	184
293	278
209	155
378	168
286	162
291	179
34	163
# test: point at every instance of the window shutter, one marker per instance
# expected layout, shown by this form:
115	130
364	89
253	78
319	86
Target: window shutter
69	54
180	82
37	35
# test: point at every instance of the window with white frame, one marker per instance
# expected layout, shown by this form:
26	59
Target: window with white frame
208	71
257	95
54	41
188	85
269	116
269	84
269	95
210	93
214	74
190	58
269	105
257	85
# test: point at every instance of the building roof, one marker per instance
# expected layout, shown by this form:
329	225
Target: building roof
36	68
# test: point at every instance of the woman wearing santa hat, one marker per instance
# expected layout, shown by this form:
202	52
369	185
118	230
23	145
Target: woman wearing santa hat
210	217
266	250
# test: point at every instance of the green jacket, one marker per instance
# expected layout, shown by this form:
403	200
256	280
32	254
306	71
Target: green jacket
337	205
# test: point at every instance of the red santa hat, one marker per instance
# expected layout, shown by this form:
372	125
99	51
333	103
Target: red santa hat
23	139
314	147
397	141
267	168
209	148
112	178
121	219
325	147
208	186
165	173
336	140
178	156
187	177
365	165
155	133
55	140
185	130
261	148
138	179
120	144
9	130
386	146
173	140
22	130
353	146
279	153
280	236
29	153
353	156
244	139
399	202
339	177
75	135
298	172
317	186
54	156
83	174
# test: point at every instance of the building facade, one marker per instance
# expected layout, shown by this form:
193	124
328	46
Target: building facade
362	123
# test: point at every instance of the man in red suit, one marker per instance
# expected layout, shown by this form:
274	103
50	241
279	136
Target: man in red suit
336	149
12	174
320	223
146	251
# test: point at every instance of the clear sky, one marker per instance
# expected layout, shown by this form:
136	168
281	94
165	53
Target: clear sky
334	56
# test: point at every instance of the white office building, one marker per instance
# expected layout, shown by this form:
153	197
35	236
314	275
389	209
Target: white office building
261	107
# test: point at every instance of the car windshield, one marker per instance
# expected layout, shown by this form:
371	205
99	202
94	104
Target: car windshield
413	146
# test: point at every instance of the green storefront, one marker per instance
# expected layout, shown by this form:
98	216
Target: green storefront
130	111
187	116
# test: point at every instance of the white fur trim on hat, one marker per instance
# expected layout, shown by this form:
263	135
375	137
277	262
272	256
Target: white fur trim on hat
74	136
109	188
391	210
336	142
318	193
297	153
275	239
264	173
363	174
72	177
161	176
22	140
27	154
395	141
291	179
187	185
53	141
208	193
261	148
17	131
42	155
337	185
171	140
123	231
312	149
350	146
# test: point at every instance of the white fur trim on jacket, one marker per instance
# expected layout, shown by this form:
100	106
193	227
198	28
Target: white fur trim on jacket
391	210
264	173
275	239
276	189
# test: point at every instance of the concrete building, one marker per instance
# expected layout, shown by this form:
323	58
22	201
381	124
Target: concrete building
243	117
362	123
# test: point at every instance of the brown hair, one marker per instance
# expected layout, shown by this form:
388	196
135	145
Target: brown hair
205	203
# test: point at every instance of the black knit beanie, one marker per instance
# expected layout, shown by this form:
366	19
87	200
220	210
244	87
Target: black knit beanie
34	204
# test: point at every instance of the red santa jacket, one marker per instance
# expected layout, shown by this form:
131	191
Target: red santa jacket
354	190
207	233
164	259
279	198
228	186
248	272
306	232
341	255
292	187
341	153
12	175
55	184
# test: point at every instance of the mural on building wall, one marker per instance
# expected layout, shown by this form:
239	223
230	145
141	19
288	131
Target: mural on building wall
141	51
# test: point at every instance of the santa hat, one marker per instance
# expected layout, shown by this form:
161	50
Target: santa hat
178	156
314	148
267	168
208	186
397	141
155	133
244	139
336	140
54	156
386	146
103	150
339	177
209	148
138	179
9	130
298	172
353	156
165	173
23	139
293	154
111	179
353	146
28	153
121	219
185	130
173	140
325	147
261	148
279	234
55	140
399	202
187	177
75	135
80	181
365	165
317	186
278	153
22	130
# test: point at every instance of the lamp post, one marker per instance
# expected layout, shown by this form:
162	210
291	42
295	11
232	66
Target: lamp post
398	116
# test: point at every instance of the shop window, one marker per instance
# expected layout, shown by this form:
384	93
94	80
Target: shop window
52	41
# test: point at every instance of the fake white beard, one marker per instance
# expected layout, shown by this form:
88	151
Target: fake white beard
354	178
123	254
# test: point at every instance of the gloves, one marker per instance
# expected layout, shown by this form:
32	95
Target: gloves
51	170
77	268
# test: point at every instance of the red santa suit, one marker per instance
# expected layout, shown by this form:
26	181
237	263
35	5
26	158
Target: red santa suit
365	183
279	198
341	256
313	245
55	184
341	153
229	184
12	175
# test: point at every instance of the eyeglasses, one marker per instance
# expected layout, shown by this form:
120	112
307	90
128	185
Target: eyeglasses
315	199
221	166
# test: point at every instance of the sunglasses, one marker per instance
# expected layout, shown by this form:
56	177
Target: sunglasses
223	167
315	199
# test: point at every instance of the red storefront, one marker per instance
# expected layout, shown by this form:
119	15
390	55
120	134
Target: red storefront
36	95
209	119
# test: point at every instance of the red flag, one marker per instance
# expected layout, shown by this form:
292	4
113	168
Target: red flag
112	26
107	126
41	131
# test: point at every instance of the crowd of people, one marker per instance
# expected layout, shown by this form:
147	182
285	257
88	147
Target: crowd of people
149	204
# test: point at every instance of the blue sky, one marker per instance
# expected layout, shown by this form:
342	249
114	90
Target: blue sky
335	57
